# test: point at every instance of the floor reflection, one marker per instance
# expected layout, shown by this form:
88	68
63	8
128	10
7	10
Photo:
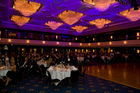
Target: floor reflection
122	73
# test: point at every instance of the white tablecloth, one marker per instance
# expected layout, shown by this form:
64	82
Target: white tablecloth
3	72
60	73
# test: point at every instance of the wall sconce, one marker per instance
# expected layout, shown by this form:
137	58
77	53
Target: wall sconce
9	40
98	43
57	43
56	36
138	51
82	50
125	42
93	39
28	41
111	50
111	37
69	43
138	35
89	44
110	43
43	42
35	49
23	49
86	50
81	44
93	50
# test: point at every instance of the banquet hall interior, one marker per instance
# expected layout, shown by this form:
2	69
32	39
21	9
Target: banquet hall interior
69	46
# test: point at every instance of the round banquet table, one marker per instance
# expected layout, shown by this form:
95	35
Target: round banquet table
3	72
60	73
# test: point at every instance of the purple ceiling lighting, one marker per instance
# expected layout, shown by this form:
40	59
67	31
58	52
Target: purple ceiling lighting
51	9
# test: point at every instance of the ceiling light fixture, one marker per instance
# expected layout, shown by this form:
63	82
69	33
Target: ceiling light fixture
131	14
79	29
100	22
25	7
20	20
101	5
70	17
53	25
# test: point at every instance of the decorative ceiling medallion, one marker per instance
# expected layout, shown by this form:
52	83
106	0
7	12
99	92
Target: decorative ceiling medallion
131	14
101	5
100	22
53	25
27	8
70	17
20	20
79	29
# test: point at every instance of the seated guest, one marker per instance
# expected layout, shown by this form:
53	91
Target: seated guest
12	61
34	68
11	74
49	61
1	62
74	60
23	69
25	64
17	61
67	59
7	61
3	59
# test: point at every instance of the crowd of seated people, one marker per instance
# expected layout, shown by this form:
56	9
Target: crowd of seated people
28	64
110	58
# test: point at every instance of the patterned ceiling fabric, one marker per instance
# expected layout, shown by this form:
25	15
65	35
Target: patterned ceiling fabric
69	12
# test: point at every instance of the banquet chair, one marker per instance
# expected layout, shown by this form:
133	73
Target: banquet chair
84	71
50	80
74	76
2	83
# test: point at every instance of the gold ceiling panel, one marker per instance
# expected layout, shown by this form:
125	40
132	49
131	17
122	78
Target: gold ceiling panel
100	22
70	17
131	14
25	7
79	29
53	25
20	20
101	5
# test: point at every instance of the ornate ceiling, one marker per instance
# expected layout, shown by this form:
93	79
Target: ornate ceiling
72	17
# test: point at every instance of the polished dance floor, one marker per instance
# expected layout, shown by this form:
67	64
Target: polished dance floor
123	73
